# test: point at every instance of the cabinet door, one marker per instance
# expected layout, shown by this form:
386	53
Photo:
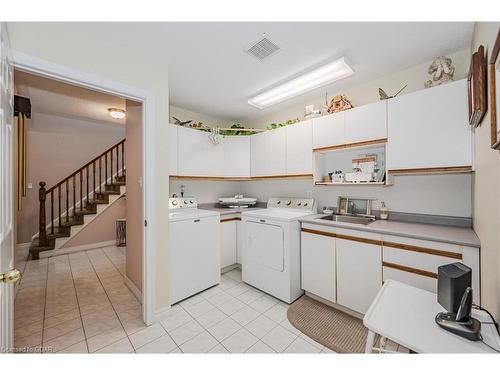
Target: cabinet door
429	128
366	123
299	148
192	152
239	240
318	265
328	130
258	154
237	156
275	162
172	152
215	158
359	273
228	243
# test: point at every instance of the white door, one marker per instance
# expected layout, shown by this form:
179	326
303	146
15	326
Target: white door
6	160
265	245
172	136
237	156
192	151
359	273
366	123
429	128
227	243
329	130
318	265
299	148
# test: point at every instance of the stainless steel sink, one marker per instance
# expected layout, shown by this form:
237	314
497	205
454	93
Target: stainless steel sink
348	219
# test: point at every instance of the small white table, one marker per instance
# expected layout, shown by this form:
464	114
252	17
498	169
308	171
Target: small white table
405	315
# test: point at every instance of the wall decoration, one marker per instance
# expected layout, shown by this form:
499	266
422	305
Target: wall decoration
493	71
441	71
338	103
384	96
477	87
181	123
280	125
311	112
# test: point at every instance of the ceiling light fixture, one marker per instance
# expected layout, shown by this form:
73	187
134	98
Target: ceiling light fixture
116	113
318	77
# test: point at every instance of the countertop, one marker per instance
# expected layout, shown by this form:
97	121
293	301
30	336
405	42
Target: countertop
440	233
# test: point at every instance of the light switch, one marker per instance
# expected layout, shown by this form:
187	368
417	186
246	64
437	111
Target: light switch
30	185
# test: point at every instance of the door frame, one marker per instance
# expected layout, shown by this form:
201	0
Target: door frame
35	65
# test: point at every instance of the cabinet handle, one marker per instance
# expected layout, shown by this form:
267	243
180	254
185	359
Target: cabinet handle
197	220
262	220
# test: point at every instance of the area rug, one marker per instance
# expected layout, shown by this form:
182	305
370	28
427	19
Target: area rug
332	328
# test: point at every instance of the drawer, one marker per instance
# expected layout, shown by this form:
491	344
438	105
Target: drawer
414	259
419	281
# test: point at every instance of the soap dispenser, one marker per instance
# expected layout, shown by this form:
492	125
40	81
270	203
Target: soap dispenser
384	212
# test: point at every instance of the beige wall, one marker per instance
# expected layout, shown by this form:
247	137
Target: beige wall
486	190
135	211
368	92
102	228
57	146
73	45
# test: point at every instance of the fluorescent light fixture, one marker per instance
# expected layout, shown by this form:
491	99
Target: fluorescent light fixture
318	77
116	113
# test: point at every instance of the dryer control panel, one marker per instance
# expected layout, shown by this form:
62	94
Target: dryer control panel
175	203
303	204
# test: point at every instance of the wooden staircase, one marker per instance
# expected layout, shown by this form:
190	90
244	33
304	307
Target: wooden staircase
77	196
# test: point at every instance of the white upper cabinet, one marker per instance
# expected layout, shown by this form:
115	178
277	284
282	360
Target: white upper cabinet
299	148
236	156
366	123
215	157
192	151
268	153
172	152
328	130
429	128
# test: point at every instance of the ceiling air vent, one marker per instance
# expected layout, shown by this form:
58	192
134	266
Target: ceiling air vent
263	48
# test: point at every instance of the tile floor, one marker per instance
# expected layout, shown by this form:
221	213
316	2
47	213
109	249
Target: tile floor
78	303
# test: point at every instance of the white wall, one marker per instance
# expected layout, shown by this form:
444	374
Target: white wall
368	92
72	46
206	191
185	115
486	181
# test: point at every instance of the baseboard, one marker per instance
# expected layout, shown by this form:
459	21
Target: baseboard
23	246
133	288
75	249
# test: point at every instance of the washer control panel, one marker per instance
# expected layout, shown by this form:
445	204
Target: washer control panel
306	204
175	203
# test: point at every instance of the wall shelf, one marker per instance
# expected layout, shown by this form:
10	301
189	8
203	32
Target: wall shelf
349	183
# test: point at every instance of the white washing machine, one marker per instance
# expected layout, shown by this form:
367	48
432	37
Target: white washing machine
194	248
271	246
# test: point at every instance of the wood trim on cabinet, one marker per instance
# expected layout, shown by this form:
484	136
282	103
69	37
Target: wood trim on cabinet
218	178
410	270
342	236
424	250
434	170
230	219
284	176
318	232
349	145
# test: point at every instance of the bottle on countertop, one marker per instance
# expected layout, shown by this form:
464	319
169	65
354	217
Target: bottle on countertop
384	212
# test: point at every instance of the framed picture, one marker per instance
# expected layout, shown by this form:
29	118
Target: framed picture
493	74
477	87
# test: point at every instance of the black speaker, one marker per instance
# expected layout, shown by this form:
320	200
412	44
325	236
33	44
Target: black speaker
453	281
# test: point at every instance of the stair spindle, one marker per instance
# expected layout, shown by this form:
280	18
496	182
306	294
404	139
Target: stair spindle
42	232
100	183
117	167
123	158
59	204
87	184
67	200
81	193
52	212
93	179
111	165
106	168
74	196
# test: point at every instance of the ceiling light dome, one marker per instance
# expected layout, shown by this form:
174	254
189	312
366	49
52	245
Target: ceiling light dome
116	113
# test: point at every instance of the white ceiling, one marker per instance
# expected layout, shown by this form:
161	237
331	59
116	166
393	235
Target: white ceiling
57	98
210	72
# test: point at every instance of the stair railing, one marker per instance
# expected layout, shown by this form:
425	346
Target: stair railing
77	189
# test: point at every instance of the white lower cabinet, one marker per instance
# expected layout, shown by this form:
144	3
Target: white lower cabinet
318	265
239	241
228	243
359	273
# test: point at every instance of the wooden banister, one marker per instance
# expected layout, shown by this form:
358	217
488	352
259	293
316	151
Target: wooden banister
60	193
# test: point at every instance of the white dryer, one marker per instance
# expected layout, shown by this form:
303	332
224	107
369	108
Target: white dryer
194	248
271	246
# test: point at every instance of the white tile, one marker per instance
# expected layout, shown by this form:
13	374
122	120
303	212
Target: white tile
239	342
301	346
211	318
163	344
227	283
219	349
231	306
311	341
245	315
80	347
237	290
176	351
147	335
250	295
219	298
199	344
234	274
260	348
261	326
327	350
211	291
277	312
134	325
191	300
286	324
224	329
199	308
186	332
279	338
175	318
120	346
105	338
